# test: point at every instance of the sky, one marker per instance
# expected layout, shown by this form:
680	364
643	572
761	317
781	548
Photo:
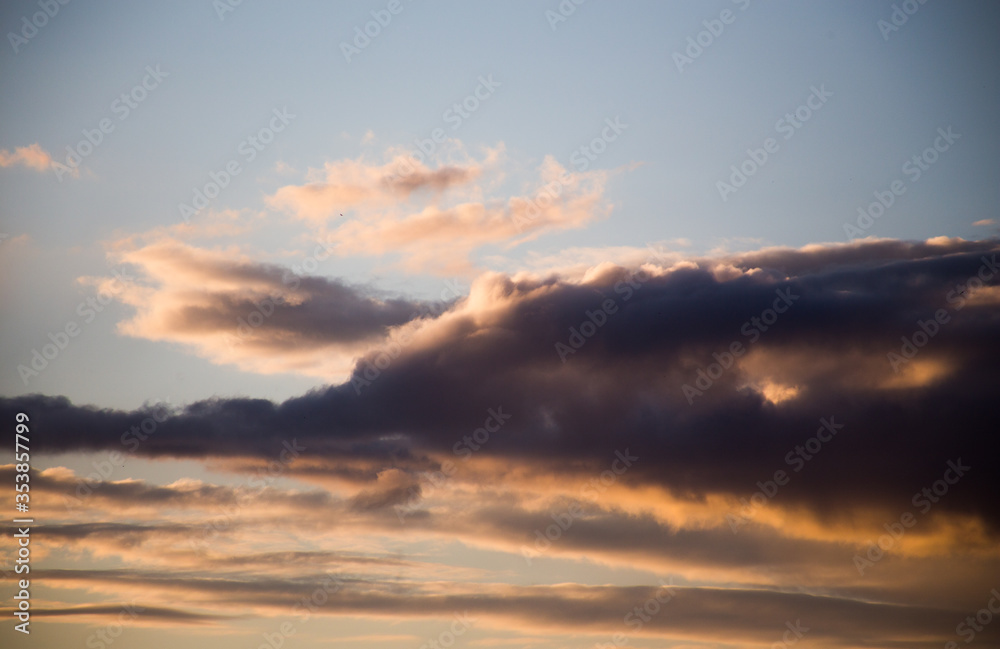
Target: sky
527	324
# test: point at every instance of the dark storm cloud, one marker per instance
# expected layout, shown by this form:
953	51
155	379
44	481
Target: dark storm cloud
623	387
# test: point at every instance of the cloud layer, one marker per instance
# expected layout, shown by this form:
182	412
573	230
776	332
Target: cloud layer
751	423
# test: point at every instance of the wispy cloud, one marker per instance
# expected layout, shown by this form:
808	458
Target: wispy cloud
434	219
32	156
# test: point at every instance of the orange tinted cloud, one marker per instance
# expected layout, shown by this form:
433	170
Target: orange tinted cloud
32	156
347	184
441	239
434	219
260	317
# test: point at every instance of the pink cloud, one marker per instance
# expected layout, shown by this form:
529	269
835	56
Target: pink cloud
32	156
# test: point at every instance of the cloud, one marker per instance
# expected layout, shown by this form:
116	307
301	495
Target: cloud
854	305
260	317
347	184
623	525
402	208
393	487
724	615
32	156
441	239
405	449
144	614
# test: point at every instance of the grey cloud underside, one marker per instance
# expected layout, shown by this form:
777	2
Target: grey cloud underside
145	613
437	180
329	312
623	388
751	615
